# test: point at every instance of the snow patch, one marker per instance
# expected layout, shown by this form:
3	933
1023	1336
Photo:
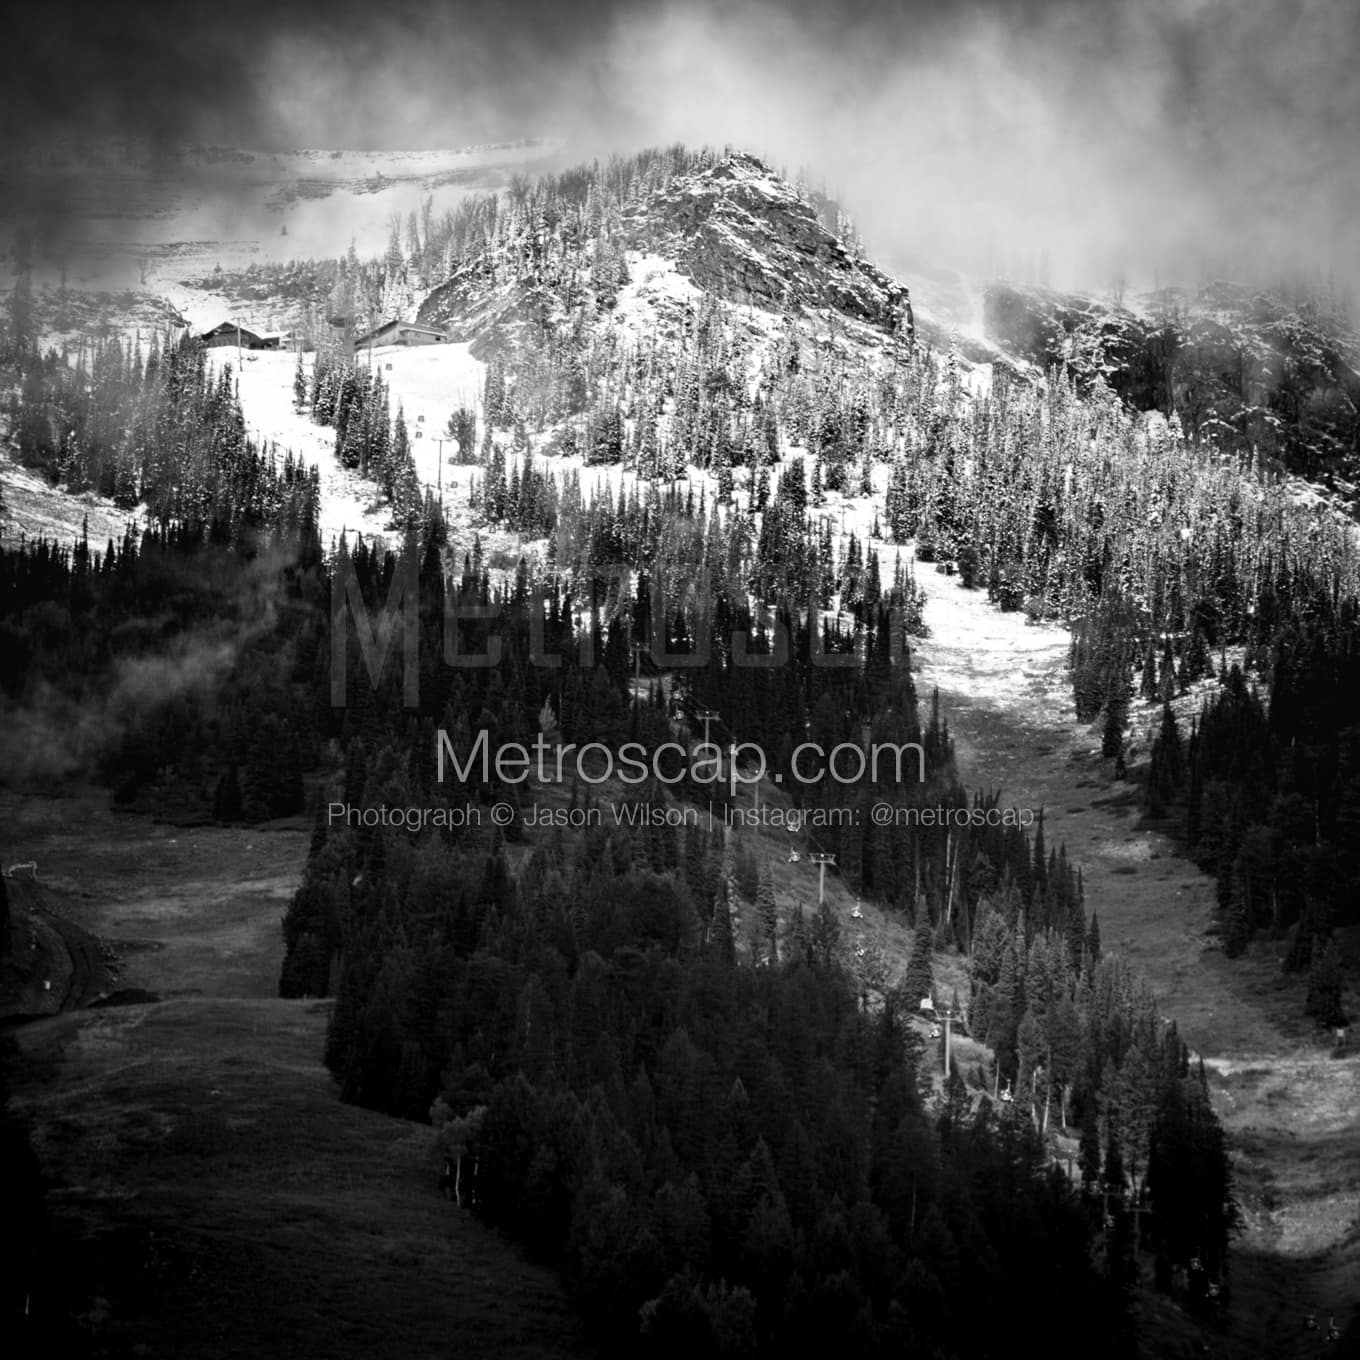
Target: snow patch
34	508
265	387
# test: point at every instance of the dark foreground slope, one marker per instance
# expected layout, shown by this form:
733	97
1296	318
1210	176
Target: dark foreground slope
209	1195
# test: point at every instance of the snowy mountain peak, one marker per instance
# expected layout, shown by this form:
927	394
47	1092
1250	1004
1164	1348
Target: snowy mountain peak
741	231
725	225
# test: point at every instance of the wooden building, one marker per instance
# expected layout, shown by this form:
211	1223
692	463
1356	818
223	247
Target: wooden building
401	333
231	334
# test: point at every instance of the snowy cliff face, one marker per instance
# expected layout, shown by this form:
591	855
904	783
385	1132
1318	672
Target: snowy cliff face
741	232
733	230
1249	370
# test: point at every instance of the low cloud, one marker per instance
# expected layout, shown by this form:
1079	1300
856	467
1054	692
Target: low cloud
1168	139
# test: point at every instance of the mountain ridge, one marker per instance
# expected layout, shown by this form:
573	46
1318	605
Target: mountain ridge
1243	368
732	229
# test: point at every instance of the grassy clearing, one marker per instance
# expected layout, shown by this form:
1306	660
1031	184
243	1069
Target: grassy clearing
188	910
212	1196
230	1205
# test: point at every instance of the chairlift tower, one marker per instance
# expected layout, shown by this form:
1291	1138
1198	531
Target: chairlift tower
821	860
1133	1205
439	466
707	716
947	1014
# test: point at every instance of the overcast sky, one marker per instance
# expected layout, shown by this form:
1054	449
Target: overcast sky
1158	136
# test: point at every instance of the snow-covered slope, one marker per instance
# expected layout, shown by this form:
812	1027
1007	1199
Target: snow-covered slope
31	508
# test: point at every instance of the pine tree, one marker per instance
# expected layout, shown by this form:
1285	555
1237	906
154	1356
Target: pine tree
1325	983
227	806
5	942
767	916
1116	717
1190	1178
1166	767
826	934
1112	1170
1236	921
1093	940
1004	1011
1088	1156
919	981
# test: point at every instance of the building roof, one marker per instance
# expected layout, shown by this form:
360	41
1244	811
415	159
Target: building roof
399	325
230	328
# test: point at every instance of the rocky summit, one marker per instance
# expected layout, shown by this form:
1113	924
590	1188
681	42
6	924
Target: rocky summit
742	232
732	229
